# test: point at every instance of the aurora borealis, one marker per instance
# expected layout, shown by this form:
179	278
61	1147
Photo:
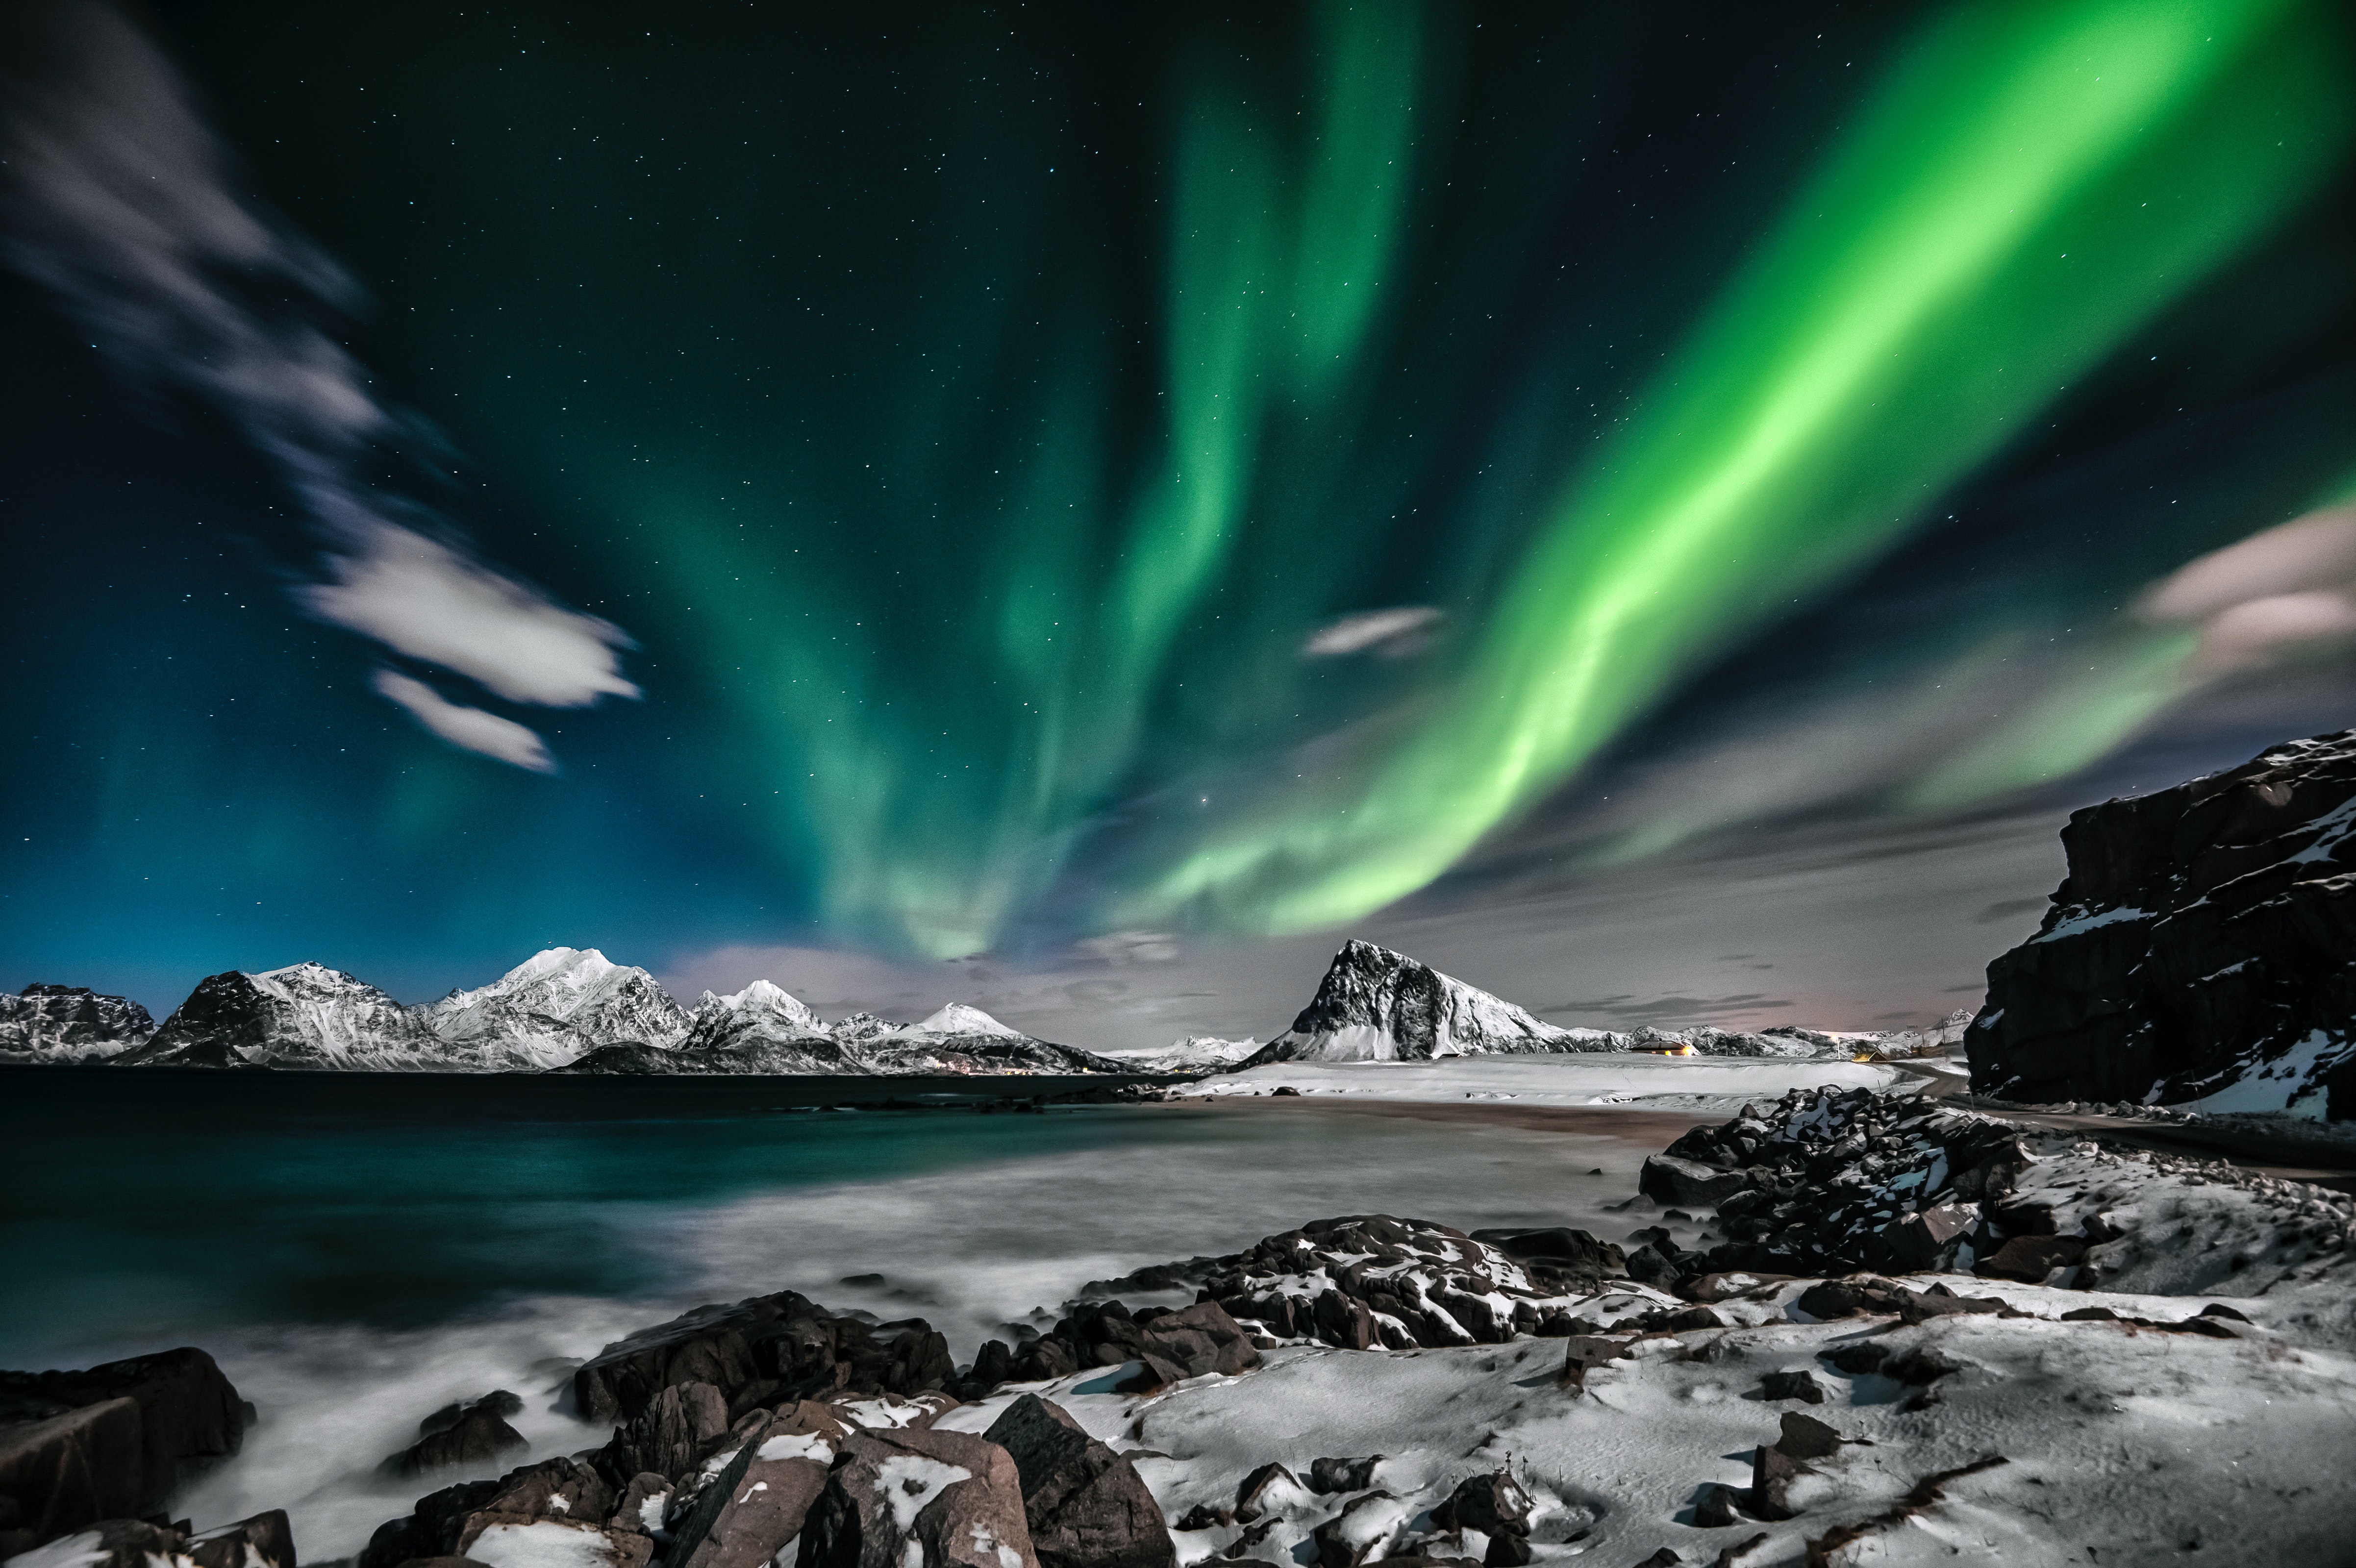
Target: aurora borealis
902	487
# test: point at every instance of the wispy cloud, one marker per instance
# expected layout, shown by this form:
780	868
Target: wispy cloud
118	199
470	728
1391	632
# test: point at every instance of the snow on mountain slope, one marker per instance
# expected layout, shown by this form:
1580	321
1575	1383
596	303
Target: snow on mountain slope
956	1019
556	1006
306	1014
69	1024
1376	1005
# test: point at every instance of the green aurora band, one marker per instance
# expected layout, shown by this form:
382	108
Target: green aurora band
1100	572
2032	184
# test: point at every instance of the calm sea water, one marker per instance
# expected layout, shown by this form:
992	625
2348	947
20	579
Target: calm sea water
357	1250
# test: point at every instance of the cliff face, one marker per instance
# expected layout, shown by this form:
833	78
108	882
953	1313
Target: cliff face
2203	947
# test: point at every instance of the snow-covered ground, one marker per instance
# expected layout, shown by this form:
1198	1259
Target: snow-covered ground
2120	1445
1708	1084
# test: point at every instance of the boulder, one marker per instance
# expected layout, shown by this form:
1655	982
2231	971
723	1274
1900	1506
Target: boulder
477	1438
1670	1179
1715	1506
1494	1503
1926	1239
1363	1531
670	1436
2205	938
1086	1507
1343	1474
2030	1258
1271	1488
1805	1438
759	1502
72	1470
265	1541
897	1499
765	1350
1793	1385
499	1401
182	1411
119	1543
1559	1250
1772	1472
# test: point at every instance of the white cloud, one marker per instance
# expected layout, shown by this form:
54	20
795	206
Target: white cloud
1391	632
423	598
2286	587
469	729
116	198
1120	948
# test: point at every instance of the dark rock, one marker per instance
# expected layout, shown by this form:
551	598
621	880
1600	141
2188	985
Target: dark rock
1805	1438
66	1464
122	1543
1582	1352
643	1504
946	1500
669	1437
1772	1472
1793	1385
443	1563
1669	1180
1926	1239
2202	933
1664	1558
1647	1266
475	1439
1363	1531
1270	1488
1574	1254
265	1541
2219	1309
2026	1218
1494	1503
1086	1505
1344	1322
1203	1516
1285	1090
2090	1315
2030	1258
1343	1474
1507	1552
759	1501
779	1348
1859	1359
1715	1507
499	1401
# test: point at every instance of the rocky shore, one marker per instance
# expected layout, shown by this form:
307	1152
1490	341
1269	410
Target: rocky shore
1908	1325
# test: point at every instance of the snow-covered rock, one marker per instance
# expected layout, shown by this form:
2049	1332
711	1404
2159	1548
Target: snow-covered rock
958	1038
956	1019
306	1014
557	1006
69	1023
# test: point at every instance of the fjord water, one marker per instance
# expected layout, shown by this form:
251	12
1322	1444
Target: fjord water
359	1248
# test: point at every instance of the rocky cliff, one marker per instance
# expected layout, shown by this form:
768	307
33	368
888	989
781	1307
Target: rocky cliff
2203	948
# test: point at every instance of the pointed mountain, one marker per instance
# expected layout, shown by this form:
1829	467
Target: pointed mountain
956	1019
1196	1054
554	1007
959	1038
69	1024
1376	1005
306	1014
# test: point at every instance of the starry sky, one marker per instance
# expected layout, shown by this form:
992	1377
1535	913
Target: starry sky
1080	508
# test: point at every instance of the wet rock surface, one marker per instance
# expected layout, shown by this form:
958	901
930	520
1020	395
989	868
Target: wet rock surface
112	1440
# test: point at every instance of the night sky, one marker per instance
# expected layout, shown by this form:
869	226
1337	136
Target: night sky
1660	510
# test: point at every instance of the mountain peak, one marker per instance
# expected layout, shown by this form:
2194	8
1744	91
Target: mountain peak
1376	1005
958	1019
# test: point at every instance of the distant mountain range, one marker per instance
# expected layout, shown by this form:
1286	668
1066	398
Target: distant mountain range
570	1010
573	1010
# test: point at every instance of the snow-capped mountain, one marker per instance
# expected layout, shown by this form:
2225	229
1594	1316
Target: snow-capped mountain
554	1007
68	1024
306	1014
760	1030
961	1039
1195	1053
1376	1005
